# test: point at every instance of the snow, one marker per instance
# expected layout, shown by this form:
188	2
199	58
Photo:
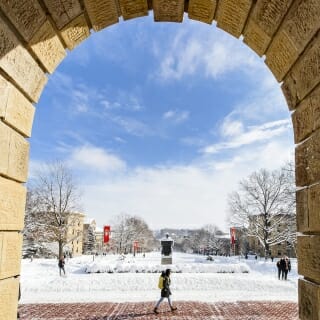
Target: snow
136	278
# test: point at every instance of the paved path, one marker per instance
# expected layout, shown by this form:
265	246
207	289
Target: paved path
138	311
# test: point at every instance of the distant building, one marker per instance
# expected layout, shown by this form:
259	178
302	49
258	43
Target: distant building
74	234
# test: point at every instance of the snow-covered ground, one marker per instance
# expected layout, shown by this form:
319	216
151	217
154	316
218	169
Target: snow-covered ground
136	279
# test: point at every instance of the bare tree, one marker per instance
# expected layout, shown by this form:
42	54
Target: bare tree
56	197
128	229
265	206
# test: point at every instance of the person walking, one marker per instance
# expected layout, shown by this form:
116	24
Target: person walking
279	262
286	267
61	265
165	291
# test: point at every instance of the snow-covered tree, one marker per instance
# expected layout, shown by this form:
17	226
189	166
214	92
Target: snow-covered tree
89	240
55	196
264	206
127	229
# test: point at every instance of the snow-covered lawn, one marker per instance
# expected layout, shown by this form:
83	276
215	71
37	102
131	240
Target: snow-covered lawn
136	279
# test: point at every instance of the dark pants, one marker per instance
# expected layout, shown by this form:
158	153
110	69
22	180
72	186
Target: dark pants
62	268
279	273
284	274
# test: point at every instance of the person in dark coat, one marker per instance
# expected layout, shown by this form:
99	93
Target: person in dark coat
165	292
279	262
285	266
61	265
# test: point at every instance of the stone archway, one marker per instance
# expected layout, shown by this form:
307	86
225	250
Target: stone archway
34	35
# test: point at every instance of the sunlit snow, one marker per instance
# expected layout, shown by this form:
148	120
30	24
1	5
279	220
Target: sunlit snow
136	279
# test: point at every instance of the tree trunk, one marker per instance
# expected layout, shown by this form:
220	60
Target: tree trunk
60	249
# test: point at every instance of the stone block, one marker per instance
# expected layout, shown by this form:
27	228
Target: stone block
308	249
305	74
289	92
12	205
308	161
75	32
309	300
300	25
10	254
9	290
302	210
306	118
14	154
232	15
133	8
102	13
314	208
27	16
263	22
48	47
16	61
15	109
202	10
63	11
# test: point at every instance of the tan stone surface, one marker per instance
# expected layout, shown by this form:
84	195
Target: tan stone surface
263	22
12	205
309	300
308	161
289	92
302	210
167	10
306	118
14	154
8	298
300	25
27	16
232	15
18	63
314	208
102	13
308	249
202	10
305	74
133	8
48	47
15	109
10	254
63	11
75	32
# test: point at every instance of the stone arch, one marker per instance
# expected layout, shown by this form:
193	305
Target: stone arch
34	36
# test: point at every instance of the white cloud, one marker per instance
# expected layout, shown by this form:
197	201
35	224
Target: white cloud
176	116
93	158
195	50
254	134
181	196
231	127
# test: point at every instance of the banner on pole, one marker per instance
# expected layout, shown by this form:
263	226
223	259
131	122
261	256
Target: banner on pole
233	235
106	234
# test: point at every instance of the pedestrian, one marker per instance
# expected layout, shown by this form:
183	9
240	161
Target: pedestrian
165	291
285	267
61	265
279	262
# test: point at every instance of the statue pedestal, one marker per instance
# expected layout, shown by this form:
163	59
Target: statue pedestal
166	260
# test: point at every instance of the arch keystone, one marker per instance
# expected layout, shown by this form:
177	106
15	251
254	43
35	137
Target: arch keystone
133	8
167	10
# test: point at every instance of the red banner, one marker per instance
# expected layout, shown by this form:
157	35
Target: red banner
233	235
106	234
135	244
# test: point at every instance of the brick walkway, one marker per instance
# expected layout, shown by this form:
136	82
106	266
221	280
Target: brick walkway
138	311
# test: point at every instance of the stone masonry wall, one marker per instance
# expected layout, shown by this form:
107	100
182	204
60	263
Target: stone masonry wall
34	38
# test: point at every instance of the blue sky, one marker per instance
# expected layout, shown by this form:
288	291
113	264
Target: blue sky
161	120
